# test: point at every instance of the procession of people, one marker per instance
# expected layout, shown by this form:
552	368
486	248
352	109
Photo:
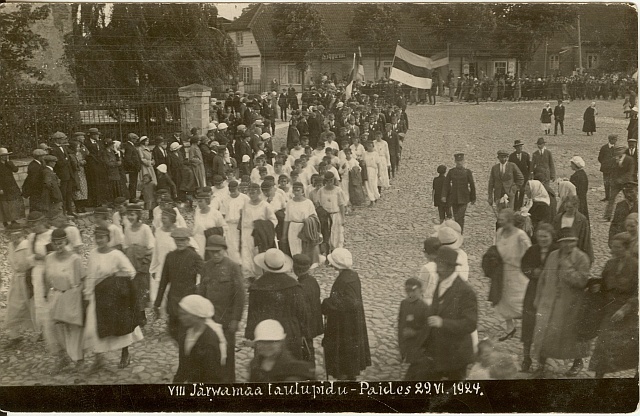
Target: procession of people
265	218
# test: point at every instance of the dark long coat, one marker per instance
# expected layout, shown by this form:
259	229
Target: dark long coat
278	296
531	260
202	365
616	348
450	347
8	185
581	229
589	124
345	342
33	184
581	181
180	269
311	290
459	186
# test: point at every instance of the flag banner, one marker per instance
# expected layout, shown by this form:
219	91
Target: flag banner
359	76
411	69
349	89
439	59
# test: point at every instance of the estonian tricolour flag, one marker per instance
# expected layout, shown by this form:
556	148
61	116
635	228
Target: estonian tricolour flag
415	70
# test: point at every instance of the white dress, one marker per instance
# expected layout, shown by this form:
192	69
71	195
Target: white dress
232	208
251	213
514	282
382	148
345	168
203	222
372	161
40	302
157	218
101	266
295	213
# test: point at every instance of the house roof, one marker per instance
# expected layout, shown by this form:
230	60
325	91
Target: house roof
243	22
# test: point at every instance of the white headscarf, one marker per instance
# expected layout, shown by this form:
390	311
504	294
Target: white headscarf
538	192
565	189
199	306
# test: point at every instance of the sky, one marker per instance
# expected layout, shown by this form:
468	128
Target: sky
230	10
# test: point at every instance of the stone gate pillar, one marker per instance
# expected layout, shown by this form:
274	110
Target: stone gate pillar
194	107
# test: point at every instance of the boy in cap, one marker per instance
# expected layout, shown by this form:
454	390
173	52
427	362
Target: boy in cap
116	236
412	327
311	292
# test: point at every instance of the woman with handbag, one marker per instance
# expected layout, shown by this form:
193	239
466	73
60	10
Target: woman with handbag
63	276
111	322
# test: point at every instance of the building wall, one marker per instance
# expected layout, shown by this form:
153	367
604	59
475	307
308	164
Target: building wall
249	45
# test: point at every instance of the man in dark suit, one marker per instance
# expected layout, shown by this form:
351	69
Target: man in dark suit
607	163
159	152
632	151
34	182
622	174
63	170
558	115
523	162
505	179
132	164
95	169
543	159
459	189
453	317
52	198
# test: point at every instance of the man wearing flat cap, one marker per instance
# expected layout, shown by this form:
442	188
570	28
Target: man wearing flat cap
623	173
51	195
222	283
132	164
632	151
63	171
34	182
453	317
95	168
458	189
504	179
607	160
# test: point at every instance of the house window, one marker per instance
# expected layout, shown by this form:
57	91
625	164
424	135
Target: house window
592	61
247	74
386	69
289	74
554	61
239	39
500	67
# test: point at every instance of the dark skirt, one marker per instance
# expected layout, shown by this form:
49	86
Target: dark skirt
538	212
356	193
616	348
529	313
141	285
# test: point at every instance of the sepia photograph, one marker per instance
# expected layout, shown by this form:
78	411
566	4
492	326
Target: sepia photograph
319	207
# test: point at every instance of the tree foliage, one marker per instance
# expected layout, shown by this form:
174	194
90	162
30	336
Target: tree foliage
149	45
523	27
375	26
467	24
299	32
18	43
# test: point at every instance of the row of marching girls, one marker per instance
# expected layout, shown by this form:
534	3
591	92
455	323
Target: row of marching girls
77	309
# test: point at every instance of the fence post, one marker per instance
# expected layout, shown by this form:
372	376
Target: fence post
194	107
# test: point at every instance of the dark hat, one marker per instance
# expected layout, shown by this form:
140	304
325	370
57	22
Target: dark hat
298	185
58	135
413	283
518	143
120	200
254	187
203	195
35	216
216	243
132	136
14	228
94	131
170	212
165	198
134	208
633	139
541	140
181	233
218	179
58	234
160	140
448	255
302	262
458	157
101	230
50	158
631	185
205	189
328	176
101	210
567	234
266	185
503	153
232	184
78	134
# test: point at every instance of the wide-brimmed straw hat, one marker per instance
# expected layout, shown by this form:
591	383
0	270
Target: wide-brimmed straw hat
274	260
341	258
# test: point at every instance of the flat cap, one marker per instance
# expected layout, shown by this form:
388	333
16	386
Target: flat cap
181	233
58	135
216	242
50	158
39	152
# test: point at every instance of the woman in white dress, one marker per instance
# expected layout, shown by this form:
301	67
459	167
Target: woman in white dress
207	221
37	241
63	272
372	163
138	246
255	209
298	209
147	167
511	243
382	148
106	262
345	167
232	207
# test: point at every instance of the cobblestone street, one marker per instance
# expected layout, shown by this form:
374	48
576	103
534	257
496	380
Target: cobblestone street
385	241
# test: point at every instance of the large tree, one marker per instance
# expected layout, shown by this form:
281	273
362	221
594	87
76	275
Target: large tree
18	43
149	45
523	27
375	27
467	24
299	32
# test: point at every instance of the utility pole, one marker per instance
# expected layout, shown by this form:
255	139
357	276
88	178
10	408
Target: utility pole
579	47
